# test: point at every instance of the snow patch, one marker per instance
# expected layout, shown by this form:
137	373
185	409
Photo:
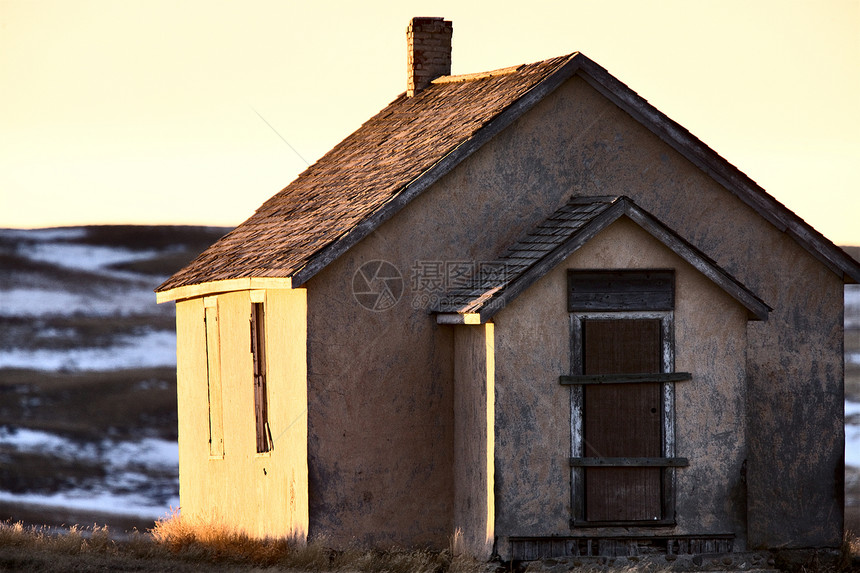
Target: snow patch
105	502
119	454
852	295
148	451
43	302
83	257
852	306
124	490
49	234
852	435
23	439
852	445
851	408
149	350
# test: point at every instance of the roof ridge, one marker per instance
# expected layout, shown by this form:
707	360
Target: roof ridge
457	78
477	75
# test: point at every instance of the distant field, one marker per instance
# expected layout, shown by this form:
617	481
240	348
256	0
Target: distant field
852	334
87	373
852	367
852	391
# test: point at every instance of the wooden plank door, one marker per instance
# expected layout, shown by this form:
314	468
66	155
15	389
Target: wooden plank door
622	420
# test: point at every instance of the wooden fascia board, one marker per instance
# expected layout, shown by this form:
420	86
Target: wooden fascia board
415	187
715	166
222	286
553	258
457	318
754	305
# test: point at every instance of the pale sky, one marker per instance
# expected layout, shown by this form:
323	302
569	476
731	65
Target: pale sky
147	112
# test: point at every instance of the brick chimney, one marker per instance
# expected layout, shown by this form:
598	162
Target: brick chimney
428	52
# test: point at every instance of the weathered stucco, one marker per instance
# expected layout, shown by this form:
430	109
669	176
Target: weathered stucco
577	142
399	380
533	410
262	494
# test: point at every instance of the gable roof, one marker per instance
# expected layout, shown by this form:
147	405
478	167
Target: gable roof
364	179
410	144
555	239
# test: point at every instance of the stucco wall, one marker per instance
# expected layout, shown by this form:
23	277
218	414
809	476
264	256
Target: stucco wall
474	437
262	494
577	142
794	361
397	382
533	410
380	409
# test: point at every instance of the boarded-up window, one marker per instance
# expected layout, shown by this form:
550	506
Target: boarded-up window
622	400
261	399
589	291
213	376
622	420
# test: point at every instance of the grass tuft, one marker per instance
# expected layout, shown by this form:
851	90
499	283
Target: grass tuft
850	551
74	541
213	542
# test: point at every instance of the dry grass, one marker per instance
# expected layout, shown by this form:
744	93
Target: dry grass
224	544
850	550
184	537
41	549
71	541
178	545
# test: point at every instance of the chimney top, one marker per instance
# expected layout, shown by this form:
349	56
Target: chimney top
428	52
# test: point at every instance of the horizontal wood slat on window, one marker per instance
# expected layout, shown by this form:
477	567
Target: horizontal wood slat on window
630	462
624	378
620	290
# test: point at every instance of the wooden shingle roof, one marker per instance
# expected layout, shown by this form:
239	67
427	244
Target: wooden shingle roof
361	174
405	148
555	239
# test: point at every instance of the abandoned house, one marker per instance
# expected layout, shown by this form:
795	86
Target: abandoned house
525	305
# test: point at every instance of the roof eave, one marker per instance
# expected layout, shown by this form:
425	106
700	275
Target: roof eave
221	286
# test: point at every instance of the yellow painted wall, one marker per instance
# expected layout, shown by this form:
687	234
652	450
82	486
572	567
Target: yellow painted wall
262	494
